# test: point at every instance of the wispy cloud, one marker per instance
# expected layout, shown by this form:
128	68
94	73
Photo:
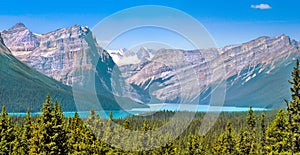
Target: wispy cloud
261	6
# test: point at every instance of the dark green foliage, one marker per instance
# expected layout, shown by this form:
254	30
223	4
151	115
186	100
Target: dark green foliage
49	135
110	115
25	136
167	149
247	138
52	133
22	87
262	134
294	110
277	135
7	133
59	137
226	142
196	145
251	121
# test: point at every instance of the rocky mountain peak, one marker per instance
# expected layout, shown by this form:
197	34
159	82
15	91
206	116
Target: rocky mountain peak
18	27
59	53
80	27
75	31
20	39
143	53
142	49
287	39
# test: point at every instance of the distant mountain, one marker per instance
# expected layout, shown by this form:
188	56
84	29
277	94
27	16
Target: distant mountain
262	82
123	56
256	73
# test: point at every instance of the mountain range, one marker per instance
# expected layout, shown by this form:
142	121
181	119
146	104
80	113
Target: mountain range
256	72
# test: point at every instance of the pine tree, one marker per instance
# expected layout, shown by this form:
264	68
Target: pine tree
7	133
251	121
145	136
73	134
49	136
59	137
46	129
166	149
111	115
294	110
247	141
146	126
108	134
95	127
262	134
95	124
75	140
36	141
242	148
277	140
25	136
125	133
229	140
81	140
17	147
195	145
41	140
126	124
226	142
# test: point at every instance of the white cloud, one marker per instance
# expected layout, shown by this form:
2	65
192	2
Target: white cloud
261	6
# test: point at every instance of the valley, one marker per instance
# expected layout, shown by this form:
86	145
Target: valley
71	56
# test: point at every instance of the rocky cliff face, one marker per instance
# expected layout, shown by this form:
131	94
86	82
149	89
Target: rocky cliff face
59	53
264	51
20	40
166	75
73	57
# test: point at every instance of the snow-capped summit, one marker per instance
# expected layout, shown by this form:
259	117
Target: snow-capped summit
133	56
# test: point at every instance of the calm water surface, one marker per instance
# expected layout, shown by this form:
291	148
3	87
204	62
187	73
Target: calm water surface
154	108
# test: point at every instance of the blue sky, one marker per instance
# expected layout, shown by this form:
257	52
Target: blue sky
229	22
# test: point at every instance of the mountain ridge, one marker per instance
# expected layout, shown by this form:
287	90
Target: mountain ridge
242	63
52	53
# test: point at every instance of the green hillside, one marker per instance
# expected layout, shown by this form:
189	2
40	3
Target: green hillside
22	87
266	90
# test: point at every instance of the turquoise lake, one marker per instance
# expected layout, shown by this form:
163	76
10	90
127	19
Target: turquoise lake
154	108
